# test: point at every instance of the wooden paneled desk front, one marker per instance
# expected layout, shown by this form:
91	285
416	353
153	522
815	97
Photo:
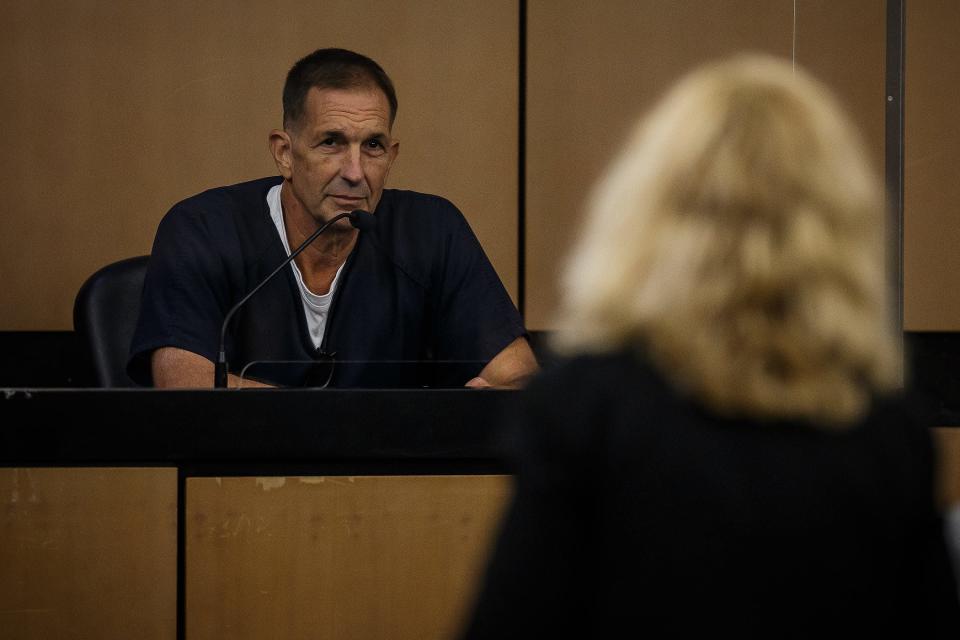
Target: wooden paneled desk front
212	514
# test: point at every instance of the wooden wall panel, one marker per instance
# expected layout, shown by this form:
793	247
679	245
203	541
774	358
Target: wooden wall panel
593	69
111	112
336	557
844	45
88	553
931	229
948	470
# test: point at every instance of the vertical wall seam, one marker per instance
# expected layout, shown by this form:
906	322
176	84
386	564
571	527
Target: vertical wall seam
894	151
522	164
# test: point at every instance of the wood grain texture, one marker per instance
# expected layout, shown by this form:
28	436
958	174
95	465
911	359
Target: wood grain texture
88	553
336	557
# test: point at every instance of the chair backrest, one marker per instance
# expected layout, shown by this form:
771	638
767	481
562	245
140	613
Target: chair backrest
105	314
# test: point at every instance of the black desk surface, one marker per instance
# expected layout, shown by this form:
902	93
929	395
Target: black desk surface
285	431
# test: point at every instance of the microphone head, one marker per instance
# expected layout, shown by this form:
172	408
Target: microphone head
363	220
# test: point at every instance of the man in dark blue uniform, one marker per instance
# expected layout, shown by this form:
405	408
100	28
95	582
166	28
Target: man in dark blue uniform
369	307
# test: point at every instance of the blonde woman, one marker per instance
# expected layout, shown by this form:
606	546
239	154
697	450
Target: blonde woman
723	449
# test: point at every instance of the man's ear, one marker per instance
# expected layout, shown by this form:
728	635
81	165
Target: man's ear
281	147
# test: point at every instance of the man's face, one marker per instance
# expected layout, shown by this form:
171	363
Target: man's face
340	152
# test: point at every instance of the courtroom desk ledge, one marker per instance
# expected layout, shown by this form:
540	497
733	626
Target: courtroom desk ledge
253	427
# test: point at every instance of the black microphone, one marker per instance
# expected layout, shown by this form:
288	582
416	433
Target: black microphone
362	220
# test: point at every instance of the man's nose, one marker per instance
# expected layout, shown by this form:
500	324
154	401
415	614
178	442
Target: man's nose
351	170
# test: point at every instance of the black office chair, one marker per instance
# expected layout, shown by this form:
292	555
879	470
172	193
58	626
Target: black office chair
104	316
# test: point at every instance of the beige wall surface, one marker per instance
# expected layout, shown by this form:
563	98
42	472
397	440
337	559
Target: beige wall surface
336	557
931	190
594	68
111	112
88	553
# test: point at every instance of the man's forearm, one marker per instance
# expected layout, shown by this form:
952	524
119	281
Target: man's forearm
174	368
509	369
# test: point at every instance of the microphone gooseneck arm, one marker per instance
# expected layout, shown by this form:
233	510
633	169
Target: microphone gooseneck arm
359	219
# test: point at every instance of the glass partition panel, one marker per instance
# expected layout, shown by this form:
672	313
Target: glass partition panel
330	372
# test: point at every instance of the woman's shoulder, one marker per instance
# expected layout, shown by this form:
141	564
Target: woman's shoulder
588	391
594	371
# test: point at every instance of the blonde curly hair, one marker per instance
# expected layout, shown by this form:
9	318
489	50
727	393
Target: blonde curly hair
739	238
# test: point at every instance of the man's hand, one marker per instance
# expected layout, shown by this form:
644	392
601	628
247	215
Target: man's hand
509	369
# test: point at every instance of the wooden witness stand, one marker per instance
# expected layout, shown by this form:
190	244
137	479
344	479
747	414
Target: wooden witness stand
251	514
212	514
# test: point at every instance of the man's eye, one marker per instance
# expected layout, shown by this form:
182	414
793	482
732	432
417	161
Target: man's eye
374	144
327	142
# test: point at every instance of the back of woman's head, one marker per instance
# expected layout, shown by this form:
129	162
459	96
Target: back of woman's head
739	239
